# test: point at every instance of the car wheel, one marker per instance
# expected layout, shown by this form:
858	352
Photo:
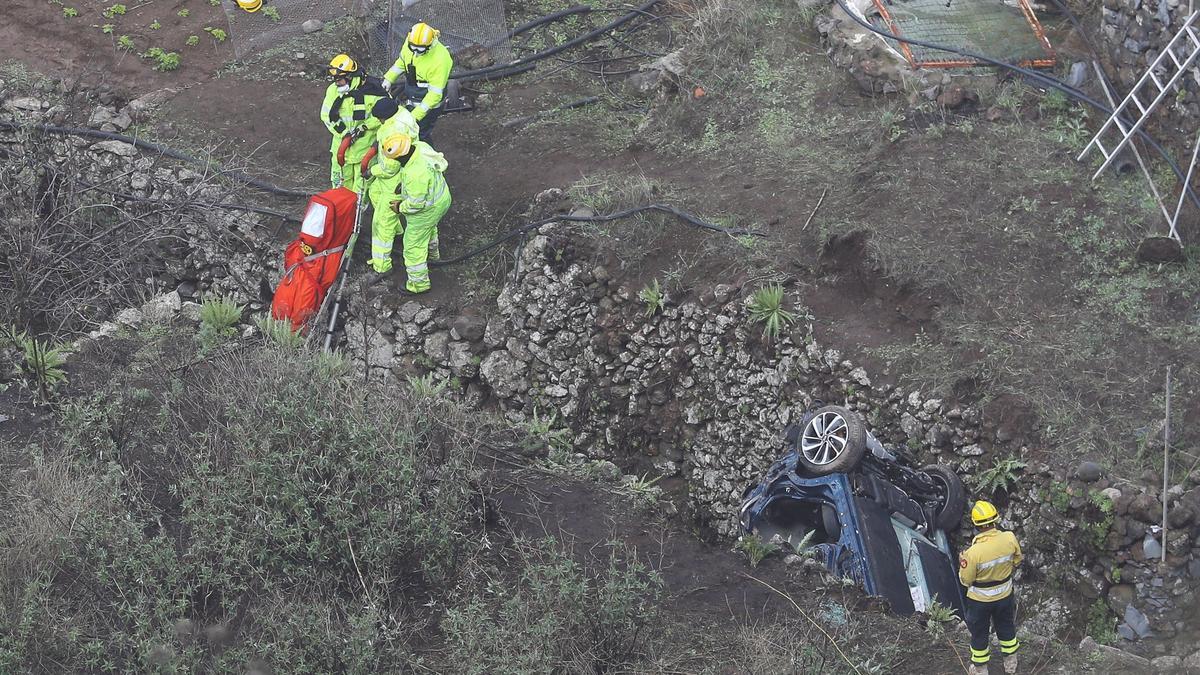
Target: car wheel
948	515
833	441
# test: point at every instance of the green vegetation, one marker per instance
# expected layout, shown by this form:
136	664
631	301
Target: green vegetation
114	11
755	548
308	520
271	12
155	25
653	297
216	33
766	307
1101	624
70	12
125	43
107	29
192	40
183	13
218	317
557	617
277	332
38	364
1002	476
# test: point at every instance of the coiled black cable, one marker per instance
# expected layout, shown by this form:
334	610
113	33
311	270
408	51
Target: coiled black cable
160	149
1046	80
617	215
524	64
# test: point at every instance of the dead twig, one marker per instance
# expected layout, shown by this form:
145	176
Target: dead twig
815	208
809	619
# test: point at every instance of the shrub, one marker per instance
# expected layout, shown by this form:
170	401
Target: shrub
114	11
653	296
755	548
38	363
766	307
192	40
1003	475
256	510
556	616
163	60
278	332
216	33
218	317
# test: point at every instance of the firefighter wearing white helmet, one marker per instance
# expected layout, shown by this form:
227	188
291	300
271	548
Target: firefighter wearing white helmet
986	569
424	64
410	196
346	111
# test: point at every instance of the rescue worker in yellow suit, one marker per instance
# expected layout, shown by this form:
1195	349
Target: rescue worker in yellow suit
349	99
986	569
410	196
423	71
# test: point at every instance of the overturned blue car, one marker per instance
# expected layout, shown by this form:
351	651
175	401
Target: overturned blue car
866	511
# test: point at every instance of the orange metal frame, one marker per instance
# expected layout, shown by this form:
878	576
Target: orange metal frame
1048	62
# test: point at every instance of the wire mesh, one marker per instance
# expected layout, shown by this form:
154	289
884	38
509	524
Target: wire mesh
277	21
462	25
1007	31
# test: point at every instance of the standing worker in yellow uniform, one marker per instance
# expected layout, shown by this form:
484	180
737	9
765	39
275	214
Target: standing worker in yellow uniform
345	111
425	65
986	569
410	196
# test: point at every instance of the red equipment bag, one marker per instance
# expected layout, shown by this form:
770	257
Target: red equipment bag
311	262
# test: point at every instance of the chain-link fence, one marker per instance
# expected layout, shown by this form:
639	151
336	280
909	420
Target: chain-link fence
1006	30
280	20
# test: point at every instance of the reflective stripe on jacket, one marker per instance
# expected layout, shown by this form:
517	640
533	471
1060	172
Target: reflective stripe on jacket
986	568
429	71
342	112
421	184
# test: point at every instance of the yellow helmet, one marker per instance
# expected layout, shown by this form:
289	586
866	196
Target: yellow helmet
983	513
422	35
396	146
342	66
250	5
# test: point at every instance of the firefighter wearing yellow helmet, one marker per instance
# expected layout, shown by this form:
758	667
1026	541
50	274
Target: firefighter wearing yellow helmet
346	112
410	196
424	64
986	570
250	5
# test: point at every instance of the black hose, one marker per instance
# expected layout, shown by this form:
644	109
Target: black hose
664	208
1046	80
479	73
160	149
540	21
191	204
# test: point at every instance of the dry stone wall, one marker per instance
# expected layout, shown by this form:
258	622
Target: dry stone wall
694	391
1134	32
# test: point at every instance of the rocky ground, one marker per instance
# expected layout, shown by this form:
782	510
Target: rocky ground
556	335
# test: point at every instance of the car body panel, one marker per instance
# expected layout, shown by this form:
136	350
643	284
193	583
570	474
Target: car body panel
863	528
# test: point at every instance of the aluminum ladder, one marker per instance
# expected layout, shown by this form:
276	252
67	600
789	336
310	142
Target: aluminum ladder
1178	55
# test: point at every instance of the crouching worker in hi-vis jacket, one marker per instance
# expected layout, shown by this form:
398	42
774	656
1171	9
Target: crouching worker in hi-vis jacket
986	569
409	195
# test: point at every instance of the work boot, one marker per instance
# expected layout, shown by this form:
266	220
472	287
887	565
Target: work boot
978	669
1010	664
435	252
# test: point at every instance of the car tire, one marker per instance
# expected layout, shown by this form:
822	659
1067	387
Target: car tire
833	440
948	515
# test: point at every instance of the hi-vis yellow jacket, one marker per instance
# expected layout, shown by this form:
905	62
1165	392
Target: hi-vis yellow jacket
986	568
